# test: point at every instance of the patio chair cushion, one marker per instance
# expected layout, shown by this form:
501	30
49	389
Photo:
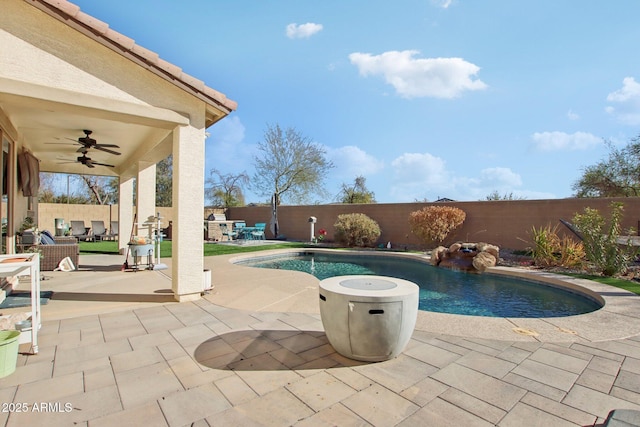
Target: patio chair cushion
46	238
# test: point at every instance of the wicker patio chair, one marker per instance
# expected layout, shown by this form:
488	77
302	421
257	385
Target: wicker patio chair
51	255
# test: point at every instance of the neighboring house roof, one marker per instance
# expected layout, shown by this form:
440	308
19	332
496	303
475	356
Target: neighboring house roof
70	14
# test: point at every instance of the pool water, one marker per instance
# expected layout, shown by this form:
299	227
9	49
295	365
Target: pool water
444	290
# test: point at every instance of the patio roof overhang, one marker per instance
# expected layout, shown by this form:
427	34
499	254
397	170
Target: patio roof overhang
49	122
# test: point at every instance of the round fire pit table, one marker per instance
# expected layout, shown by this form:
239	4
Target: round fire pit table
368	318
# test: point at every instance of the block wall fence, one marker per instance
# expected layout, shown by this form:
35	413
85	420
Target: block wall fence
48	212
506	223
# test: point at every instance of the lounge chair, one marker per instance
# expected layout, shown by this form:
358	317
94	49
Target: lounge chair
79	231
98	231
114	229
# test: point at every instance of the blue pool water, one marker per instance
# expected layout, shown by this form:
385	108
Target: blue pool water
443	290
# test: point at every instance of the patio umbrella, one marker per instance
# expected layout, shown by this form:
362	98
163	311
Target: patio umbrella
273	224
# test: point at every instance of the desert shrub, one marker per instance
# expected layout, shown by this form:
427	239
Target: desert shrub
571	253
545	245
356	229
550	250
602	241
433	224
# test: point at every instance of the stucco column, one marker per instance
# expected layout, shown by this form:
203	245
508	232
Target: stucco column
125	213
145	194
188	212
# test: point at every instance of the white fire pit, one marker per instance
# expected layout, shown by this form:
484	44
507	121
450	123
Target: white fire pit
369	318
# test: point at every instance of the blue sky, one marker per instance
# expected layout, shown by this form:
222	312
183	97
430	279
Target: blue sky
424	98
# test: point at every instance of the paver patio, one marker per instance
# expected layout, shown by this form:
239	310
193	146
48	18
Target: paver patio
108	360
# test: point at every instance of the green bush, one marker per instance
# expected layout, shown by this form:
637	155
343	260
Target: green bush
602	241
433	224
356	230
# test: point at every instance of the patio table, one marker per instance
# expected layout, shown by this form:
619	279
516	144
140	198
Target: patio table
246	233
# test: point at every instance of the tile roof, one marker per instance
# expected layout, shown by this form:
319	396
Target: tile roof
71	15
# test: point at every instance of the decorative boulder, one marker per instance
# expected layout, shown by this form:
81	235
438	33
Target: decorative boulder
466	256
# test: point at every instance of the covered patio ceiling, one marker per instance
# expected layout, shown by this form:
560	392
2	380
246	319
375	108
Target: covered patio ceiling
51	124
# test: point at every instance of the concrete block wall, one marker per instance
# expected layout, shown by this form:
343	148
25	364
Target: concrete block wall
48	212
507	224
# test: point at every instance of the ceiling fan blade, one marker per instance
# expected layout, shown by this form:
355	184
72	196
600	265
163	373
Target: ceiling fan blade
107	145
106	150
103	164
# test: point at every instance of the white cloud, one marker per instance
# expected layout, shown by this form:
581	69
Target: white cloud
416	173
627	102
572	116
421	175
420	77
499	178
295	31
351	161
556	141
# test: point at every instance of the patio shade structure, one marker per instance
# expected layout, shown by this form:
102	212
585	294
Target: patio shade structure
62	73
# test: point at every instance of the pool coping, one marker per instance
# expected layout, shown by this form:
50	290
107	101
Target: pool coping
619	318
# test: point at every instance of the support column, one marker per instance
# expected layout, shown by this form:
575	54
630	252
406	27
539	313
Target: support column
125	214
145	192
188	213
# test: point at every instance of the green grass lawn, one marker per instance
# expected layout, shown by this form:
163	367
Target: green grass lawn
111	247
612	281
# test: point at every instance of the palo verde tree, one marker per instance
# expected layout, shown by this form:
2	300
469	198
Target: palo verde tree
225	190
356	193
289	166
616	176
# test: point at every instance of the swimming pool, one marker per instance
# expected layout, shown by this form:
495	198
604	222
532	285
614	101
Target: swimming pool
442	290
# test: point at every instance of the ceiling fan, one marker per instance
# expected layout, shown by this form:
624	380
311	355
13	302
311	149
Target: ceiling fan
88	162
87	143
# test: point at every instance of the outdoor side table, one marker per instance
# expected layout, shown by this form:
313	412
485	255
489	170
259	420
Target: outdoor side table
368	318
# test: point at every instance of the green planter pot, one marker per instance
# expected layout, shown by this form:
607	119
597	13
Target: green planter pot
8	352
